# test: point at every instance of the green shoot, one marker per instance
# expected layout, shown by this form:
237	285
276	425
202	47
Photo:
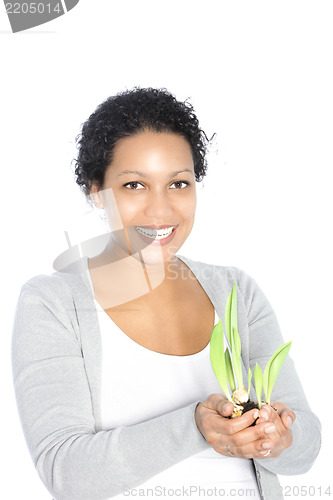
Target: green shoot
273	368
236	357
249	378
231	314
230	372
227	365
217	358
228	319
258	380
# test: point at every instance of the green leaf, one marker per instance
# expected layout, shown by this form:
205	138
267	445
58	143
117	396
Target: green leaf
231	313
230	372
258	380
227	320
217	358
273	368
249	378
236	357
233	308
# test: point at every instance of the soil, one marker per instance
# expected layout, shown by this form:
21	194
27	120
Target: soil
250	405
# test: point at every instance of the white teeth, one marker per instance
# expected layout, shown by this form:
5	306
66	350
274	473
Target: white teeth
156	234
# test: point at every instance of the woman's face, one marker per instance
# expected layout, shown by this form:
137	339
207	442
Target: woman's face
149	190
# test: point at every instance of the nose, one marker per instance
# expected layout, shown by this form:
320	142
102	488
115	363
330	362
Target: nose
158	206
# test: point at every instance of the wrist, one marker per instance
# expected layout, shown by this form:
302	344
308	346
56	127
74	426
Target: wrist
197	418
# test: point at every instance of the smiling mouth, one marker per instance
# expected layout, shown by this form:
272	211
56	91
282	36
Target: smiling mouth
156	234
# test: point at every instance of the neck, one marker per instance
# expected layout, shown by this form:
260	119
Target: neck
132	274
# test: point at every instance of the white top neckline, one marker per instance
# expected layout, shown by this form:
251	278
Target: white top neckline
117	329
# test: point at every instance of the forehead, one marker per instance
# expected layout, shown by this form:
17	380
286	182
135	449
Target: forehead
149	149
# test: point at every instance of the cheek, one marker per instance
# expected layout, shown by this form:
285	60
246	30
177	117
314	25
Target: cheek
188	207
186	212
126	210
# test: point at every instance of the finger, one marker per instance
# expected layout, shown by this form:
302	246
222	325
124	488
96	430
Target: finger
255	434
253	442
282	408
275	419
282	419
225	408
270	412
265	414
271	443
275	440
288	417
275	416
257	449
279	406
235	425
218	430
220	404
273	452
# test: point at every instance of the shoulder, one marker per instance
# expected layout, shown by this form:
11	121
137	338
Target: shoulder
60	286
218	282
219	275
53	304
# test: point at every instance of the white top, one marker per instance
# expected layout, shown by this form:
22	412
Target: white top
139	384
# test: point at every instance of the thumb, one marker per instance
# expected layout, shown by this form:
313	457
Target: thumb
225	408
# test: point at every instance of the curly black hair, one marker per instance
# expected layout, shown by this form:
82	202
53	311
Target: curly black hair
129	113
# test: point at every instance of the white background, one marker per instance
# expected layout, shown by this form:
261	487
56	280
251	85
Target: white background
259	74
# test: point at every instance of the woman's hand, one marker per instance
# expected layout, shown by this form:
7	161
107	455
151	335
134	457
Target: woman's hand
236	437
282	418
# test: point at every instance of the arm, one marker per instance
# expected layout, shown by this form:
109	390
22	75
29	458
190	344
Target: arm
264	338
54	401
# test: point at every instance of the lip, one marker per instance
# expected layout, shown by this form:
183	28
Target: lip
163	241
155	226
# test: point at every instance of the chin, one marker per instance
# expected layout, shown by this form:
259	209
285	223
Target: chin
155	256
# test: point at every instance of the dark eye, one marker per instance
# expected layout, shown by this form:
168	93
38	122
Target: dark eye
179	184
133	185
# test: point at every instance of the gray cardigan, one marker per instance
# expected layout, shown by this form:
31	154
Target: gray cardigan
56	355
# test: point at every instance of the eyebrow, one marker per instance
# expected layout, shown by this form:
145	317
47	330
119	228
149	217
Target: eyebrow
142	174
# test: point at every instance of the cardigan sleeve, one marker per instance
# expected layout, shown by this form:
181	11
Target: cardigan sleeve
264	338
73	459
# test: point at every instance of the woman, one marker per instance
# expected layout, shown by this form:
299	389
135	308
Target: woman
111	355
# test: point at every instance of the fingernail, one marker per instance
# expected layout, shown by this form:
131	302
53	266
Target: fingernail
269	429
256	414
264	415
266	446
226	408
289	421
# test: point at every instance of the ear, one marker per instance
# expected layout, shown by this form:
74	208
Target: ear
96	196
